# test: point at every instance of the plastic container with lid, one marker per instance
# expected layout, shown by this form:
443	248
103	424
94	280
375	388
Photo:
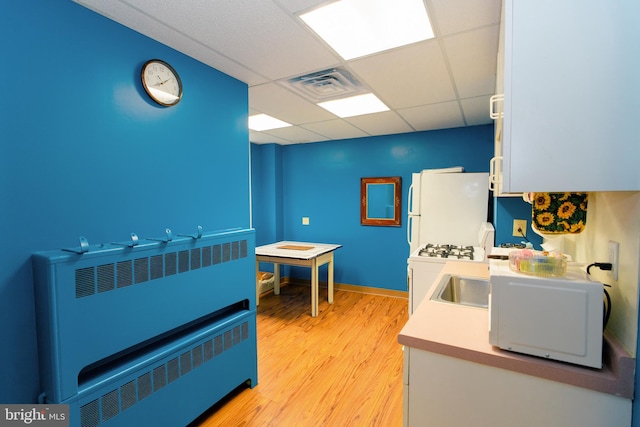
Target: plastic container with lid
536	263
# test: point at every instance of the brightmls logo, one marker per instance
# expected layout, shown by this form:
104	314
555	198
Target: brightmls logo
37	415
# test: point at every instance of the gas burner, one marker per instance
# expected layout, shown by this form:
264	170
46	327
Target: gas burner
512	245
447	251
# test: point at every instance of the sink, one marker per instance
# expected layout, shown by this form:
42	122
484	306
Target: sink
461	290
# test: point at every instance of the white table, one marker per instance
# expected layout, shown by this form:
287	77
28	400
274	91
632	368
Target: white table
304	254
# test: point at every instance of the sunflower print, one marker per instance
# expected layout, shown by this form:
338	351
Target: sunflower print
541	201
559	213
545	219
566	210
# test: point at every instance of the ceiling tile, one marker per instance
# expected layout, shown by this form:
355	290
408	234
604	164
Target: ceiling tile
454	16
473	57
282	104
131	17
407	77
263	37
435	116
265	138
298	134
335	129
299	6
387	122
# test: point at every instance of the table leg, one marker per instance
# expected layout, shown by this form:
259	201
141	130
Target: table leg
330	280
257	284
314	288
276	279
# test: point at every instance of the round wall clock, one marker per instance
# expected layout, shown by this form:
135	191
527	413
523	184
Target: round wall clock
161	82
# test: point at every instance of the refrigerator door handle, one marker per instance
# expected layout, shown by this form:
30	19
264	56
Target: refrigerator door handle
409	199
409	226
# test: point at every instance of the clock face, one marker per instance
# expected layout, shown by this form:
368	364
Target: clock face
161	82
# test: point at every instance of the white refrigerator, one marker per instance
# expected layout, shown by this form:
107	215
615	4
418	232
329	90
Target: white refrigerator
447	206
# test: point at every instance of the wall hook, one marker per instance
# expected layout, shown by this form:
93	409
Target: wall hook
166	239
84	246
134	241
197	236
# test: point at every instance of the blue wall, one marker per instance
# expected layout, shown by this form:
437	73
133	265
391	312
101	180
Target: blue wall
266	183
506	209
322	181
84	152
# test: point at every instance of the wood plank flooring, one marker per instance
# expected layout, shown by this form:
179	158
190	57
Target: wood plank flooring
342	368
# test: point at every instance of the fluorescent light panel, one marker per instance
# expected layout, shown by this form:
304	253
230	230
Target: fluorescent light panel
355	105
260	122
355	28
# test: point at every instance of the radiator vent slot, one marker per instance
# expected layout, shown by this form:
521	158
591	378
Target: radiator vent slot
110	405
90	415
141	270
106	278
124	274
171	264
84	282
126	395
183	261
91	280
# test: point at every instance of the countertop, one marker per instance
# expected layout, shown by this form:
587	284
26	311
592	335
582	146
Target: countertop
297	250
463	332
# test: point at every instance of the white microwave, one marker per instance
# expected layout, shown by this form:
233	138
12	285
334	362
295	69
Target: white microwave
559	318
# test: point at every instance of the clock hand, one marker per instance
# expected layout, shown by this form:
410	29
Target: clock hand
161	83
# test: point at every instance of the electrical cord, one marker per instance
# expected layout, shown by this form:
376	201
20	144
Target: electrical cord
607	308
523	235
606	266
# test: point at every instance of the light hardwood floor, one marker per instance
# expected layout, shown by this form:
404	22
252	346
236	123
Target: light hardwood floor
342	368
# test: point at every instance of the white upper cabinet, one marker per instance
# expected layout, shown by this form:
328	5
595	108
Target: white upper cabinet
496	177
572	96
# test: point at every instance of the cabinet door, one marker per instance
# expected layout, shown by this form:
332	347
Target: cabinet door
572	95
497	113
445	391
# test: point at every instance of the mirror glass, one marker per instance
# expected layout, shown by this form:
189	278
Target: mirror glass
380	201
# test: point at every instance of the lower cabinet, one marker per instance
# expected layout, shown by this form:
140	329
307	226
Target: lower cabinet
443	391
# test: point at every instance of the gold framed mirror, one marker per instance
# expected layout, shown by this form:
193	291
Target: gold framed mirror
380	201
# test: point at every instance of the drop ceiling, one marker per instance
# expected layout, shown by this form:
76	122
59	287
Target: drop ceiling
445	82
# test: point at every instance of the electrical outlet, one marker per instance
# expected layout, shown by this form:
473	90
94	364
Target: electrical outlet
519	227
614	253
305	220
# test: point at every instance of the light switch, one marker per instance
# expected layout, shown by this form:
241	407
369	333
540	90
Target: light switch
305	220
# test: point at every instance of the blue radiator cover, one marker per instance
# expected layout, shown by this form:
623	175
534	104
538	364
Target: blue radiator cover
125	333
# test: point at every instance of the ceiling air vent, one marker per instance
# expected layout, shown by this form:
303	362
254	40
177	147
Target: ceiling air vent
325	85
